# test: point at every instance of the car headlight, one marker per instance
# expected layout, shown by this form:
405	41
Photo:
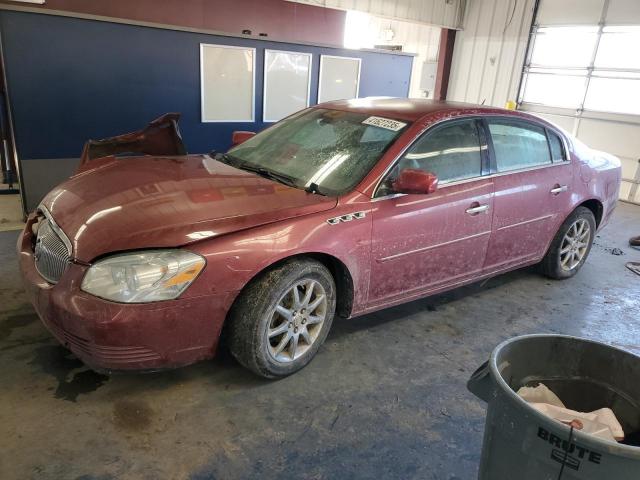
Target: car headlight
142	277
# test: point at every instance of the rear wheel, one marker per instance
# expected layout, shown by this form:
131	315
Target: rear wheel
571	245
279	322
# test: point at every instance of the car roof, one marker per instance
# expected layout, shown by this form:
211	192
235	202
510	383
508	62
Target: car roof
411	109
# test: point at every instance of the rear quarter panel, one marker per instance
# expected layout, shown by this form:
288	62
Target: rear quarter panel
597	176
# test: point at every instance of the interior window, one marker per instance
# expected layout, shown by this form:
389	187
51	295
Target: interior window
451	152
518	145
557	151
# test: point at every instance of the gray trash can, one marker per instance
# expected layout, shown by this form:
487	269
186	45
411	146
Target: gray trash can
522	443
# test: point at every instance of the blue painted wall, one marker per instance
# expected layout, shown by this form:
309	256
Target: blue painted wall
73	79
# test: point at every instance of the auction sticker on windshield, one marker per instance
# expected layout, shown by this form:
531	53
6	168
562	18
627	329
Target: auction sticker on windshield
384	123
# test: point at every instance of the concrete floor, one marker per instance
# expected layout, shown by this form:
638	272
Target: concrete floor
385	398
10	211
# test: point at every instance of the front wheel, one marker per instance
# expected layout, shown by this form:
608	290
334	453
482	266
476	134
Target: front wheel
279	322
571	245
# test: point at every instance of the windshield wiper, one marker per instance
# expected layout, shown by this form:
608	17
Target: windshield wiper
270	174
225	157
265	172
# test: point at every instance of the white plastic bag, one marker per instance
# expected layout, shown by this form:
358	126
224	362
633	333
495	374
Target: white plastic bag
540	394
600	423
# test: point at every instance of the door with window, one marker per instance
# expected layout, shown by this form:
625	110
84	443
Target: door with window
423	242
532	191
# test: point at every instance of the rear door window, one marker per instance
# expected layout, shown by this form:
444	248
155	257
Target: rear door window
557	150
518	145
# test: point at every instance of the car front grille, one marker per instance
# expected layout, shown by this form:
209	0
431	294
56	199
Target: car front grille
51	252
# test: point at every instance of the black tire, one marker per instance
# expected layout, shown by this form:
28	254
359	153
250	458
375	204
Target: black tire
253	314
551	264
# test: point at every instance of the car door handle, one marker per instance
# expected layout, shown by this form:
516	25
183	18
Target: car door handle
474	210
558	189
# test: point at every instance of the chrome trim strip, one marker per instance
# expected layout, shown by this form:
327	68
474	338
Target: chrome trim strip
528	169
347	217
431	247
57	229
525	222
392	195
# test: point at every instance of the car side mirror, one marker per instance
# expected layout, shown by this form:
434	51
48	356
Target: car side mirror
240	136
412	180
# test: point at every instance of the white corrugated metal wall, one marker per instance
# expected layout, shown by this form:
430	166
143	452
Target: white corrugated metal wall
363	30
442	13
489	52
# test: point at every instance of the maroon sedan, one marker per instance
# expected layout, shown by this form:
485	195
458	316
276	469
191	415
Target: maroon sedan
140	263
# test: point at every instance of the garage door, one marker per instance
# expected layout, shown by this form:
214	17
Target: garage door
582	72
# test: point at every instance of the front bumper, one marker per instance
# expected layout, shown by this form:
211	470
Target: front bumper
110	336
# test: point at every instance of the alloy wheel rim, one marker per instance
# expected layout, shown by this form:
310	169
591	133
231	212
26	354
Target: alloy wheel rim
296	321
574	244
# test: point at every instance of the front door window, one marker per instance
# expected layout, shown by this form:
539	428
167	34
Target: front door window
451	152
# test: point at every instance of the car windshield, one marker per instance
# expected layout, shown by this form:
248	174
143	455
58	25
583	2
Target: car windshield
321	150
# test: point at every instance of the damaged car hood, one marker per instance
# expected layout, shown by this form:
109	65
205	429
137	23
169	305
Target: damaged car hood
155	202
